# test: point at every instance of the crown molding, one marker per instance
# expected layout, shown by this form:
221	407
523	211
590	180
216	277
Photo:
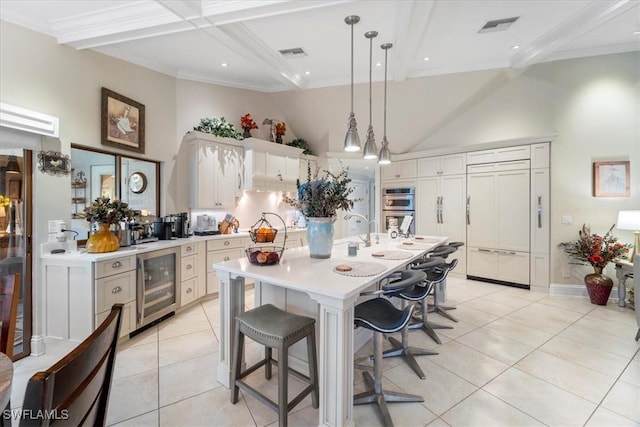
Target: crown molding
14	117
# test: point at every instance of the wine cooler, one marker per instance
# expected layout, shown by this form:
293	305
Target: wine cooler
158	278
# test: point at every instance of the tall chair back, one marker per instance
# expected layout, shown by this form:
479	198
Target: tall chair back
9	295
76	389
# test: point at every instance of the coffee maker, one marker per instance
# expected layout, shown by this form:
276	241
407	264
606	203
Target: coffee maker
181	225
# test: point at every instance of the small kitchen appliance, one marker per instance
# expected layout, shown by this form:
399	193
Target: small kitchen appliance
181	225
206	225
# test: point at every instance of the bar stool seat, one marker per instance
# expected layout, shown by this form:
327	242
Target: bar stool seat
275	328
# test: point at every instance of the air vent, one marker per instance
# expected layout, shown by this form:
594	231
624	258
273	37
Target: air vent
498	25
293	52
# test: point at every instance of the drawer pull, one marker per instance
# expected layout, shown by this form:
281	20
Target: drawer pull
189	290
116	290
189	248
226	243
116	264
189	266
226	258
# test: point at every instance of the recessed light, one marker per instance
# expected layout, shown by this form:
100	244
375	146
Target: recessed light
307	72
426	58
635	33
378	64
224	64
515	47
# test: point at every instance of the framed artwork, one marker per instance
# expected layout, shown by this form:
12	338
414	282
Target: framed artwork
54	163
611	179
122	122
15	189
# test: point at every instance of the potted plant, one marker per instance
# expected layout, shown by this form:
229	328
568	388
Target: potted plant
300	143
318	200
218	126
596	251
281	129
106	212
247	123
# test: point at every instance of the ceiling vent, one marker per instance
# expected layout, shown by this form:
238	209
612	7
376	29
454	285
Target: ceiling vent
498	25
295	52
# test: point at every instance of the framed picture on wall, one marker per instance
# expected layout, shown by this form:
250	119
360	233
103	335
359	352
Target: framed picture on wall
122	122
611	179
15	189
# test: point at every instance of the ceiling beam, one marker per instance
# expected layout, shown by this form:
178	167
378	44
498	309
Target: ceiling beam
413	19
589	18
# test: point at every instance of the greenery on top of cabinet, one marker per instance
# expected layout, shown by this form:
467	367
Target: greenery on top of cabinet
300	143
218	126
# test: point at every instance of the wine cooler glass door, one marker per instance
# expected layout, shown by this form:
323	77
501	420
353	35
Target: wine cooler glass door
157	280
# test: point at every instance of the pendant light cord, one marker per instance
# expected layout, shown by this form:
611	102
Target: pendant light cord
370	66
351	67
386	51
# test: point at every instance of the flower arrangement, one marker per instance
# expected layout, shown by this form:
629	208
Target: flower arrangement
281	128
4	200
107	211
321	196
218	126
594	249
246	122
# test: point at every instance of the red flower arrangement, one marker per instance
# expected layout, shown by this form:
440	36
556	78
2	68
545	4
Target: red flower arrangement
246	122
281	128
594	249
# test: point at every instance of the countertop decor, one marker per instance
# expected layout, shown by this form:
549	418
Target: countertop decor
106	212
247	123
597	251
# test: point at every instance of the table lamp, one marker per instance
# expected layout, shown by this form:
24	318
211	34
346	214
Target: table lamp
630	220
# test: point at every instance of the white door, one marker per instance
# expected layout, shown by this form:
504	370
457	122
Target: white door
427	197
481	203
512	210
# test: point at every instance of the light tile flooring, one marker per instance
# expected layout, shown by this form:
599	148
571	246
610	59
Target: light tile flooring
515	358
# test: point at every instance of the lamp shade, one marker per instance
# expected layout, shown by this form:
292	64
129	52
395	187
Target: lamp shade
12	165
628	220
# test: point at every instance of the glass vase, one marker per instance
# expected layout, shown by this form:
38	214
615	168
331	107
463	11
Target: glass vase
103	240
320	236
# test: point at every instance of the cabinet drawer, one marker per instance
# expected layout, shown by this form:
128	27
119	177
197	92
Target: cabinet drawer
188	267
188	291
128	323
116	265
228	243
190	249
119	288
218	256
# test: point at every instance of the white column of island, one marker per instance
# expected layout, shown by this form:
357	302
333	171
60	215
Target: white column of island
334	295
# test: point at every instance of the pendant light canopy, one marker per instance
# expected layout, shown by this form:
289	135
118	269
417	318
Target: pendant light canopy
370	149
351	139
385	155
12	165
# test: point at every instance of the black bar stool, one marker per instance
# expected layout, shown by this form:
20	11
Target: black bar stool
443	252
274	328
416	293
382	317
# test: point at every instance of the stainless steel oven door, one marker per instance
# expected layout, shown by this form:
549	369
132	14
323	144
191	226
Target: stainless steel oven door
398	203
398	216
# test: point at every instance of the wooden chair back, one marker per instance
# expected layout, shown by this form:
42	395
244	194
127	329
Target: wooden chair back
75	391
9	295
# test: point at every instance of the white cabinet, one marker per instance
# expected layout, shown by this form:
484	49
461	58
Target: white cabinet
116	284
440	210
401	169
505	154
540	217
498	221
192	272
215	171
270	166
222	250
453	164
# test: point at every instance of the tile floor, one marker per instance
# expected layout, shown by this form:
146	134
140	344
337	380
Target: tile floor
515	358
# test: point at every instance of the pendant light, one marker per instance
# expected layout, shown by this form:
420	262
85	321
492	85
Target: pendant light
385	155
351	139
12	165
370	149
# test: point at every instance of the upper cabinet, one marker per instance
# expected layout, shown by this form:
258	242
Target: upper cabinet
269	166
453	164
402	169
215	171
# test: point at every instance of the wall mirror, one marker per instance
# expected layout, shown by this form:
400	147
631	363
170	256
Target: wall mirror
96	173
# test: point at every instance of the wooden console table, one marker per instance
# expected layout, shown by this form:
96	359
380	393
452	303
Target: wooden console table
624	270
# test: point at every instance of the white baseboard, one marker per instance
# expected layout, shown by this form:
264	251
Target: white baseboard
563	289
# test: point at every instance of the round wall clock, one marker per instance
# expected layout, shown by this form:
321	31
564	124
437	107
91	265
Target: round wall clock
137	182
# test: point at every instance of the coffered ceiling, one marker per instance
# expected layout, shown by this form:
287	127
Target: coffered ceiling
237	43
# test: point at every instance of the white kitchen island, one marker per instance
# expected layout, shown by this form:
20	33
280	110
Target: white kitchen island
335	296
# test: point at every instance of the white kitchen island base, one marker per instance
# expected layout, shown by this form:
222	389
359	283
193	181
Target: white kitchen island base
335	296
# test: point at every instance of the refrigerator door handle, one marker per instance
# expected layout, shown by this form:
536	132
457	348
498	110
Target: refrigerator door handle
468	210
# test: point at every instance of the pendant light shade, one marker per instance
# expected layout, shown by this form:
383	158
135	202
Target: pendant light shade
370	149
12	165
351	139
385	155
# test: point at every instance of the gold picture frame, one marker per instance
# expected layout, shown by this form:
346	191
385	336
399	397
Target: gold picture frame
122	122
611	179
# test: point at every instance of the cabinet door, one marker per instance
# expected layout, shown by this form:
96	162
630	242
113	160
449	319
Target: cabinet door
454	164
428	166
226	171
427	198
540	211
452	207
512	216
513	267
406	169
482	263
202	175
276	166
481	203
